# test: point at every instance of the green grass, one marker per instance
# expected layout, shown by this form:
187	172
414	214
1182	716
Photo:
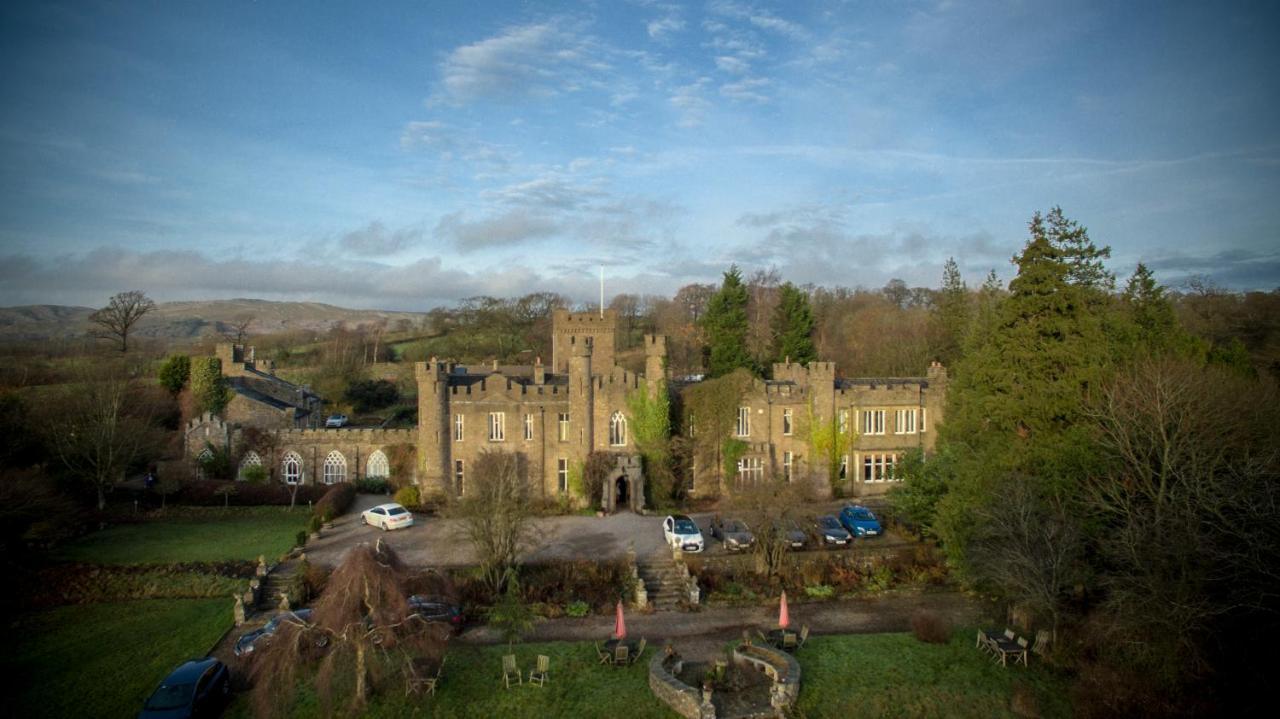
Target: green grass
472	687
894	675
236	533
876	675
104	660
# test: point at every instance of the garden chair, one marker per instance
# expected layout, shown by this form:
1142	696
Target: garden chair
804	636
539	675
763	639
639	650
1021	656
746	637
510	670
789	642
620	655
1041	647
602	655
418	679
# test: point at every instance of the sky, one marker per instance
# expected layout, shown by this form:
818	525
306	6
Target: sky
406	155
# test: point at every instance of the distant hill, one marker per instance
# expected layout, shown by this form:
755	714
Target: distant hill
191	320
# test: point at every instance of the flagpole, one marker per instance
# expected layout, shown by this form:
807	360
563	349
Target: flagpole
601	291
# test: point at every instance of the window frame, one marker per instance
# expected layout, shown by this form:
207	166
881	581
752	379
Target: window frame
459	427
742	427
787	422
497	426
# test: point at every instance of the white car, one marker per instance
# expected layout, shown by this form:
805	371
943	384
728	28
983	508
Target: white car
336	420
388	516
682	532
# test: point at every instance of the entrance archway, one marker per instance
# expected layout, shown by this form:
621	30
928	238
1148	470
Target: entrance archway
621	493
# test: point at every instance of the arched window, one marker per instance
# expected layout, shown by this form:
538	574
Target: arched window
202	460
251	459
291	468
617	430
377	467
335	468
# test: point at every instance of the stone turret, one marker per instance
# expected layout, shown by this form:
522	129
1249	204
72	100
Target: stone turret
655	360
570	329
581	398
433	424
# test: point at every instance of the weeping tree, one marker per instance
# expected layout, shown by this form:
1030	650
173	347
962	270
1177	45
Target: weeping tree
363	638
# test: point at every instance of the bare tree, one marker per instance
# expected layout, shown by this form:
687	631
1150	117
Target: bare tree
1028	544
116	320
364	633
769	507
496	515
237	330
99	427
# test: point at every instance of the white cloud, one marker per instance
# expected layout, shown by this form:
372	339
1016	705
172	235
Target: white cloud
513	227
692	105
733	65
540	60
375	239
662	27
748	89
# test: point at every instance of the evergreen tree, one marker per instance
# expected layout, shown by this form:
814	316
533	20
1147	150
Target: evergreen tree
1150	311
1084	259
952	313
174	373
725	323
208	386
793	327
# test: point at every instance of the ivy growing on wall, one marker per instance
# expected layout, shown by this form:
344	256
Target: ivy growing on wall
650	423
710	412
828	444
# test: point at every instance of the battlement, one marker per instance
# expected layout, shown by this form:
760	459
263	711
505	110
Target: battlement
655	345
804	374
486	388
618	376
366	435
238	360
567	319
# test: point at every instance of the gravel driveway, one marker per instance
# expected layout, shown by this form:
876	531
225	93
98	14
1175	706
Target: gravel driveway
439	542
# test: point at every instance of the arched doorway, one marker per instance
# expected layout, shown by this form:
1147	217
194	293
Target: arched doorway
622	492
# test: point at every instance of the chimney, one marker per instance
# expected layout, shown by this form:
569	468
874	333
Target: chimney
539	372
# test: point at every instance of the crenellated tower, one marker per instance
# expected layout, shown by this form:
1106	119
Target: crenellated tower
433	424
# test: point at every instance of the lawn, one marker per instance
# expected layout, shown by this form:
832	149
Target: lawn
212	535
876	675
894	675
104	660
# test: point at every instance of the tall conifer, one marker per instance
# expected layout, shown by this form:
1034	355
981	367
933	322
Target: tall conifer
793	326
725	323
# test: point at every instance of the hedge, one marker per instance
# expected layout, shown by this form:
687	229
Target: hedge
204	493
336	501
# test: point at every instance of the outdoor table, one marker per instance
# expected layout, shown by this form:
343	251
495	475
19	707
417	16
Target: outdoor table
612	644
775	636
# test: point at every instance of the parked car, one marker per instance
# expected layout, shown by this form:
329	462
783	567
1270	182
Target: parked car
860	521
735	534
437	609
387	516
246	643
336	420
196	688
830	533
682	532
797	538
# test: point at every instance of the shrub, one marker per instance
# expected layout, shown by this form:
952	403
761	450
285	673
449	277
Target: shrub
376	485
880	579
370	394
313	524
254	473
300	539
577	608
408	497
820	591
930	627
336	501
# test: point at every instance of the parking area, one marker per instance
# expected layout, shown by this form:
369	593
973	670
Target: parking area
441	542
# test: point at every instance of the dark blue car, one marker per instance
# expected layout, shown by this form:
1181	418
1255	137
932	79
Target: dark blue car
830	533
198	688
860	521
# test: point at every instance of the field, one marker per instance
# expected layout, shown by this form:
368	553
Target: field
208	535
878	675
103	660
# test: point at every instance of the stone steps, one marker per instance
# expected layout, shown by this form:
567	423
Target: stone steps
662	582
272	585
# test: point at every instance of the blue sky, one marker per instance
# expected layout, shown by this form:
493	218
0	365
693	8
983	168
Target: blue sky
403	156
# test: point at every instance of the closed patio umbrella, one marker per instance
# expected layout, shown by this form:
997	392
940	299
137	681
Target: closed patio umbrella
784	617
620	624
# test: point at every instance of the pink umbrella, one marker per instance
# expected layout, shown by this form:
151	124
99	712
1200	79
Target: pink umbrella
784	617
620	624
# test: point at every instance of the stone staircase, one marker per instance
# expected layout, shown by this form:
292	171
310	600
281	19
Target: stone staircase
276	581
662	581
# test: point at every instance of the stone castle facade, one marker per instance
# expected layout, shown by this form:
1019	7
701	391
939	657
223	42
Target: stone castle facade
554	416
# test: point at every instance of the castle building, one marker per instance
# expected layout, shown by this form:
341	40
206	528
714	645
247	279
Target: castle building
553	417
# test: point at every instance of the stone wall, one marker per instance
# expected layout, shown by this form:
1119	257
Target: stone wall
682	698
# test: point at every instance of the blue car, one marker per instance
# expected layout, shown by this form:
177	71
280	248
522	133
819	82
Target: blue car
860	521
198	688
830	533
